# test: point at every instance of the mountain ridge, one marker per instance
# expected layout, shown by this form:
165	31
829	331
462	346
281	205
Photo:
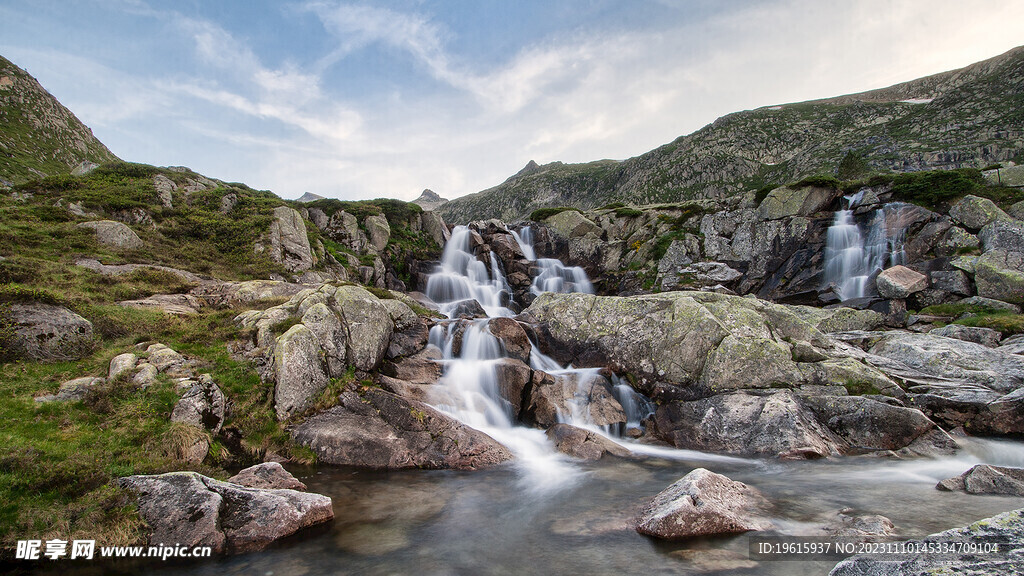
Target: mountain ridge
969	117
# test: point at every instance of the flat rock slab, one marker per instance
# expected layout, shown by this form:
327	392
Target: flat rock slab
985	479
189	509
703	503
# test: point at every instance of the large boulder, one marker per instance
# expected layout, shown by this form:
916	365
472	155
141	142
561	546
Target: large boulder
45	332
703	503
1006	530
512	337
433	225
202	406
985	479
114	234
383	430
1000	275
900	282
585	395
974	212
1003	235
298	370
288	242
189	509
369	326
572	224
786	202
378	231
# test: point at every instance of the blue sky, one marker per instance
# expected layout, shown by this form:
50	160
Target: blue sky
383	99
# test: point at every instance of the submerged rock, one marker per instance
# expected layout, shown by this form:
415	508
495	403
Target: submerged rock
383	430
189	509
703	503
583	444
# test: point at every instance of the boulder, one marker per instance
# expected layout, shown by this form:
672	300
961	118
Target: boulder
839	319
571	224
121	364
73	390
703	503
1002	235
45	332
267	476
369	326
114	234
331	335
753	362
513	378
1000	276
512	337
383	430
298	370
433	225
408	341
900	282
786	202
378	231
974	212
289	244
189	509
401	314
860	528
145	375
985	479
985	336
203	406
585	395
470	308
952	281
175	304
583	444
1006	529
165	359
422	368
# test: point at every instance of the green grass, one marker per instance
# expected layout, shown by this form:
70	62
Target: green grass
624	212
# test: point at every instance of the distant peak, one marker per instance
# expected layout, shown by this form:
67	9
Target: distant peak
530	168
429	200
309	197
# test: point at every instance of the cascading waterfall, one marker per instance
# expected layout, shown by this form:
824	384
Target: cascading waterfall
851	259
552	275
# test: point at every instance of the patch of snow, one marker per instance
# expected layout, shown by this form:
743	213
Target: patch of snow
917	101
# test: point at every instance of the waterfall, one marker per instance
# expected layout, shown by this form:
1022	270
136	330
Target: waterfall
851	259
524	237
552	275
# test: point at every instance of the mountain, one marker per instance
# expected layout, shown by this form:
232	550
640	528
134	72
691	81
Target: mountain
309	197
970	117
429	200
39	137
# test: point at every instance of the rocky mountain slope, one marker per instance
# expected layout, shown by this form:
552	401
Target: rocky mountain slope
39	137
970	117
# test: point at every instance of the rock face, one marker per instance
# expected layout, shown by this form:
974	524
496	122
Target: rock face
300	373
900	282
289	244
383	430
1000	275
985	479
189	509
703	503
45	332
114	234
1007	529
378	231
974	212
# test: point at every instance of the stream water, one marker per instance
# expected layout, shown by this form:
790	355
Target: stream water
545	513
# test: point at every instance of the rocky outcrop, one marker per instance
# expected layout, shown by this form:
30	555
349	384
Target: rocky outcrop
703	503
47	332
974	213
1007	530
985	479
383	430
287	242
114	234
189	509
72	390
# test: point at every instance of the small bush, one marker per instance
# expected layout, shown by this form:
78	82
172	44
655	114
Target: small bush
819	181
612	206
937	186
628	212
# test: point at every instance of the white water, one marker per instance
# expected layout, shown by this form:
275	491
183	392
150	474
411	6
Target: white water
851	259
469	389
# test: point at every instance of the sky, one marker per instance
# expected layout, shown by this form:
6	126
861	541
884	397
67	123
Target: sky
357	100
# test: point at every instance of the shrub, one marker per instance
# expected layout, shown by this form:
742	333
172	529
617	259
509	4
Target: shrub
819	181
628	212
545	213
936	186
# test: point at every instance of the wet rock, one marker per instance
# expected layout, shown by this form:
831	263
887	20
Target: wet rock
985	479
382	430
865	424
703	503
900	282
189	509
974	212
1007	529
985	336
45	332
468	309
583	444
298	370
114	234
586	395
715	560
203	406
513	378
267	476
849	526
512	337
121	364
